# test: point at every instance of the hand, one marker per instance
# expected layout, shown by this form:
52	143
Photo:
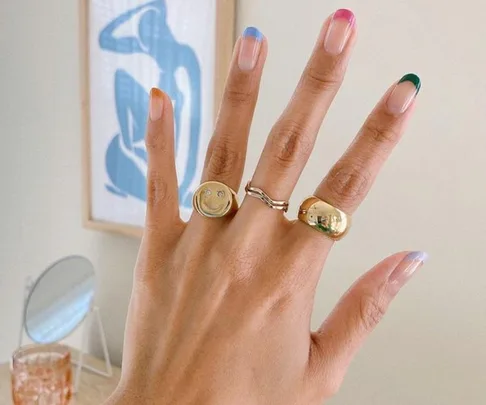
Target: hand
220	308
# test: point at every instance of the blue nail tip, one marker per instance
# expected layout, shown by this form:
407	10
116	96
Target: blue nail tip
253	32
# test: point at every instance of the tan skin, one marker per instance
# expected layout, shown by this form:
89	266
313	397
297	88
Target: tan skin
220	308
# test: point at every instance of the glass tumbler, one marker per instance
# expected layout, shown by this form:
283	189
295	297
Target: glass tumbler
41	375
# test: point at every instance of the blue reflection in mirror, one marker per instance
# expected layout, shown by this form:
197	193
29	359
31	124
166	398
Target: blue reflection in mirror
59	300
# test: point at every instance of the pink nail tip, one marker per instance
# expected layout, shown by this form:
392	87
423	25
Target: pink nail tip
344	14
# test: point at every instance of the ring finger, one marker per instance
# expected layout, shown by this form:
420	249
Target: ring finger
350	179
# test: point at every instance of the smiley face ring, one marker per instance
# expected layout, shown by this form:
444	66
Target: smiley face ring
213	199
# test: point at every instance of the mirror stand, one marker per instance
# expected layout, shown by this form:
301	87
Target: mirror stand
29	283
93	316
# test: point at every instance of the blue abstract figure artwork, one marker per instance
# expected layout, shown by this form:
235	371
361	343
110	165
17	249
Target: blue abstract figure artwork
126	156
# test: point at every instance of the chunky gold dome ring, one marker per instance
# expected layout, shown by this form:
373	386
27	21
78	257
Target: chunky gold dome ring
213	199
325	218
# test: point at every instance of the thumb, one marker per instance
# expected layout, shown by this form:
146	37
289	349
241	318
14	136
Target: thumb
357	314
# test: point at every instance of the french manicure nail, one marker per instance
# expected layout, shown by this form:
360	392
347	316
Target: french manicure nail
407	267
403	94
251	41
338	32
156	104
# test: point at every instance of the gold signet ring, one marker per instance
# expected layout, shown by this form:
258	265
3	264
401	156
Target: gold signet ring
325	218
213	199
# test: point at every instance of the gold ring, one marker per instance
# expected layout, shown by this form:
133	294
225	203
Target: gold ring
213	199
261	195
325	218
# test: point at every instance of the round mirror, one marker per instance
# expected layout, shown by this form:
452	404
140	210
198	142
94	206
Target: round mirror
59	300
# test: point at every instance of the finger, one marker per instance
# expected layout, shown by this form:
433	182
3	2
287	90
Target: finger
292	138
349	181
162	190
225	158
357	314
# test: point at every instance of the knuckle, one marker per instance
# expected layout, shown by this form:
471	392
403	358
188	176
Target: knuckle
372	308
380	132
324	78
238	92
290	143
224	158
155	142
349	182
157	188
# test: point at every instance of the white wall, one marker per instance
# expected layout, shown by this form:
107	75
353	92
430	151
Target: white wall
41	166
431	348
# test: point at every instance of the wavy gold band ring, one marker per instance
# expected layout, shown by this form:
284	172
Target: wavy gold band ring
265	198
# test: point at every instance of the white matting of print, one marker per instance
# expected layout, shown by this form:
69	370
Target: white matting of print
191	22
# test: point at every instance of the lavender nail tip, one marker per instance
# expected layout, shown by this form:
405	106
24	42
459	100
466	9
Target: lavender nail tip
418	257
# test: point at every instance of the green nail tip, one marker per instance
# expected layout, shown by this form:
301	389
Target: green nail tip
411	77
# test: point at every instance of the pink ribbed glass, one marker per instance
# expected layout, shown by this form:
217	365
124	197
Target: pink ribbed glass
41	375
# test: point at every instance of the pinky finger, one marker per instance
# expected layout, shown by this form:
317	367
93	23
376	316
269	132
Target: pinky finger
358	312
162	190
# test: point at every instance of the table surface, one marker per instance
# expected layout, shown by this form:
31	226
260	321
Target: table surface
93	388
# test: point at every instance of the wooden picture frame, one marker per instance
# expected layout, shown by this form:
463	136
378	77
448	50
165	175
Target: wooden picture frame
224	42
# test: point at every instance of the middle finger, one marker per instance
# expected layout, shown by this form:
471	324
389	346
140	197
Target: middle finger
292	139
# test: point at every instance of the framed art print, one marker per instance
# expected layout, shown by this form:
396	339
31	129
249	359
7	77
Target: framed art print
129	46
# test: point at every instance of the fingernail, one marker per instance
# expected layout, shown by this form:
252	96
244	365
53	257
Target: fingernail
251	41
156	104
403	94
406	268
338	32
